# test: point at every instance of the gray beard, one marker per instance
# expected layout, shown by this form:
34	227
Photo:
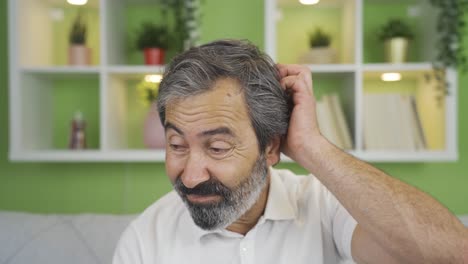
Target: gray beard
234	203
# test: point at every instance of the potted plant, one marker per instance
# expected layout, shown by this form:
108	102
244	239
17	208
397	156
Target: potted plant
153	41
148	91
320	51
396	35
78	52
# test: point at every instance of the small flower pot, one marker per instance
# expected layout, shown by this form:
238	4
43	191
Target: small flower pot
79	55
154	56
396	50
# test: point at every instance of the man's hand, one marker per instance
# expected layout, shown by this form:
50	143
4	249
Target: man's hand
397	222
303	126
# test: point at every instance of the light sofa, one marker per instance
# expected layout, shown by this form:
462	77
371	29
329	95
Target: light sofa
54	239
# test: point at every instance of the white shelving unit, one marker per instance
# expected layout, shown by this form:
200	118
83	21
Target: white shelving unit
287	24
35	72
36	76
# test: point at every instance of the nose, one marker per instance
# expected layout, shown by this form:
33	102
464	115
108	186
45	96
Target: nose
195	171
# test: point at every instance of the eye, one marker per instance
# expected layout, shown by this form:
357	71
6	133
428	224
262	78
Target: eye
219	148
177	145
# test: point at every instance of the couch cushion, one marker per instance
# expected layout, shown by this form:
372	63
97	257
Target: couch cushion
83	238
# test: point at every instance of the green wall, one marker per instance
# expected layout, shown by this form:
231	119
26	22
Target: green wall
130	187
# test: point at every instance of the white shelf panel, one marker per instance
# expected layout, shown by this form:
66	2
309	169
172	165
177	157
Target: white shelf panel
287	159
378	67
54	70
64	4
89	156
332	68
137	69
405	156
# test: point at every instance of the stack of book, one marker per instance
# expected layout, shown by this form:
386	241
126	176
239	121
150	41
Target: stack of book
332	121
391	122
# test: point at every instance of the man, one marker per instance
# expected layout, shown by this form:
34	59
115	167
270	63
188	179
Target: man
228	113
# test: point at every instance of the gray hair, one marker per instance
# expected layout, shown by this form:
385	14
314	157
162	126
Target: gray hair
196	70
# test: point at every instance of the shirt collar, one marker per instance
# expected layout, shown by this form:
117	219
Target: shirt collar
278	207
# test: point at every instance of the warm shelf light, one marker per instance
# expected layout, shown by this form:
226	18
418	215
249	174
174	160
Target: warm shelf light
391	77
153	78
77	2
309	2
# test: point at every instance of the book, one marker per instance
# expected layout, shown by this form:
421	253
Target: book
391	122
340	120
326	122
418	128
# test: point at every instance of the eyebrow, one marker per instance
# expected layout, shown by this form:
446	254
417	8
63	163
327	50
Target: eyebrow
169	125
211	132
217	131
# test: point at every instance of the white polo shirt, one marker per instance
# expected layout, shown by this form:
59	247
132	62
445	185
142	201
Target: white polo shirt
303	223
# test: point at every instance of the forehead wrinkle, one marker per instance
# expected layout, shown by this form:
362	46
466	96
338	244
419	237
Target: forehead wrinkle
207	123
223	105
191	113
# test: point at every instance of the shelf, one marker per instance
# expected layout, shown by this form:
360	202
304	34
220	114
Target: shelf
45	91
127	114
381	67
419	15
332	68
291	23
405	156
137	69
61	70
89	156
47	105
49	45
398	156
407	114
123	21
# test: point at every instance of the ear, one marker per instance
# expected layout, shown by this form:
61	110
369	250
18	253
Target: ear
272	151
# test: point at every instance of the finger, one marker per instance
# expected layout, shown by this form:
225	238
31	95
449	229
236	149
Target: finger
294	69
296	84
291	69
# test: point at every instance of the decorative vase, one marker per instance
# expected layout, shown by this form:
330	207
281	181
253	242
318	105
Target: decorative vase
79	55
154	56
319	55
396	50
153	132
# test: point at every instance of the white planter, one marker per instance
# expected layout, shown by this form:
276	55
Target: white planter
396	50
322	55
79	55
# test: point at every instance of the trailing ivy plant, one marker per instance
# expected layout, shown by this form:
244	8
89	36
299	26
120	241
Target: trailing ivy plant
450	51
187	16
450	29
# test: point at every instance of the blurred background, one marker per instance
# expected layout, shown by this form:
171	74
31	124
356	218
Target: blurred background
76	124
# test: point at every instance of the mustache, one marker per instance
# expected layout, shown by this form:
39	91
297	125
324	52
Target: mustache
210	187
